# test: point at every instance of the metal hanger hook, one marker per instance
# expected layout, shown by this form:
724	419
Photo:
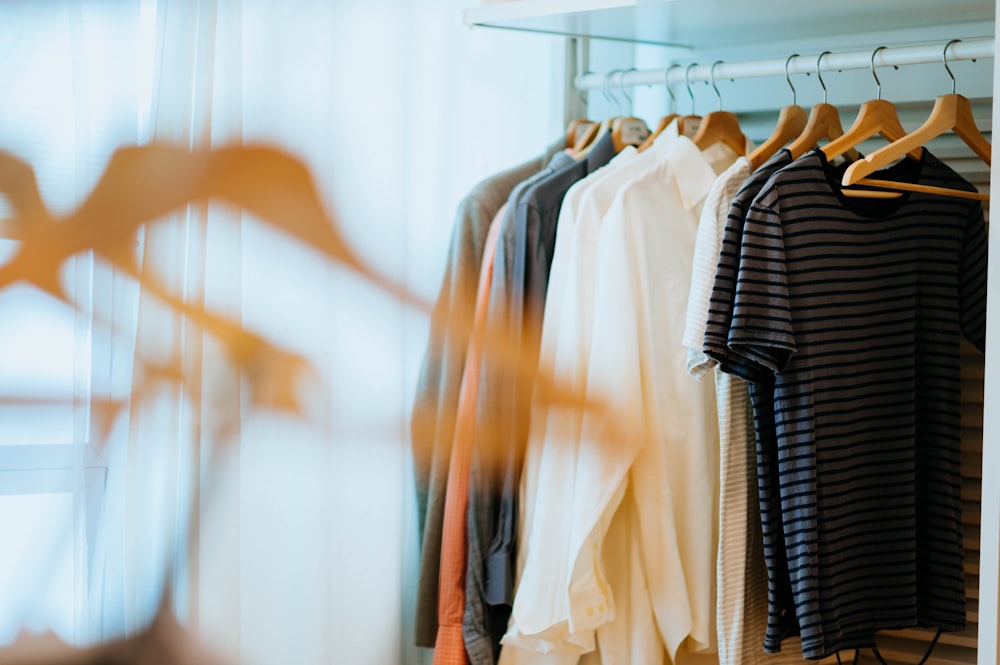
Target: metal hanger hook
608	86
819	74
944	58
789	78
604	88
670	91
687	82
621	84
874	75
714	86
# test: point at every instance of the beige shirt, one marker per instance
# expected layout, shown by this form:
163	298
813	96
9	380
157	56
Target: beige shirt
741	607
618	553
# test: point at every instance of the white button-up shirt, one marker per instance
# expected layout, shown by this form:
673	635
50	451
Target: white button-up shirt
620	509
565	344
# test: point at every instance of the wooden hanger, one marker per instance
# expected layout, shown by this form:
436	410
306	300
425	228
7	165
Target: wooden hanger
590	137
665	120
577	129
950	113
791	121
875	117
663	124
19	185
141	185
688	125
720	126
824	123
628	130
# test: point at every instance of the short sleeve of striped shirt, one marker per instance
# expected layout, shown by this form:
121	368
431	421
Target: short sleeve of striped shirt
715	343
857	306
762	317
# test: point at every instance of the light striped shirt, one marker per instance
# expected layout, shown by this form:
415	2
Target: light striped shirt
741	604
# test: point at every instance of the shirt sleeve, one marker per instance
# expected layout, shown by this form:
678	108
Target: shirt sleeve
527	289
577	470
715	343
762	319
972	279
708	244
432	424
483	623
706	255
450	645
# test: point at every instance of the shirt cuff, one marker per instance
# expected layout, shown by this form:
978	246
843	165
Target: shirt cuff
556	643
499	579
450	646
591	604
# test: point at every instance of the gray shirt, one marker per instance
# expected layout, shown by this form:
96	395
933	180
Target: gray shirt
517	297
436	400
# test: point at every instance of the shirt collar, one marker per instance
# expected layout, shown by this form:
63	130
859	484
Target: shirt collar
627	153
556	146
720	156
560	160
600	154
669	133
694	170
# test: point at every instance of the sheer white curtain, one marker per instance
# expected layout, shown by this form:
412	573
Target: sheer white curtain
70	75
304	540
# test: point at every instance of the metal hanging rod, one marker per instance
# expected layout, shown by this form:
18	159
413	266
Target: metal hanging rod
967	49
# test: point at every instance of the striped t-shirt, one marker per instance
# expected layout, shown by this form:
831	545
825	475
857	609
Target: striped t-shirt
771	545
857	306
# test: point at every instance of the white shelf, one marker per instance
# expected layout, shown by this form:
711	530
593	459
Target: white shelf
707	23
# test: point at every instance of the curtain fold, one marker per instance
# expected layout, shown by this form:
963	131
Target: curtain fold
279	538
177	433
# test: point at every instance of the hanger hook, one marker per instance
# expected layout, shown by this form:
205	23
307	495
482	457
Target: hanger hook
819	74
789	78
714	86
611	88
608	89
670	91
687	82
875	76
621	84
944	57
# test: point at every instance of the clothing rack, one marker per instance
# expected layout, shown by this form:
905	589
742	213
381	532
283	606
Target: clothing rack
967	49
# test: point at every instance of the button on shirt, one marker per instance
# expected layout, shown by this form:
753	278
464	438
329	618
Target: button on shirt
564	596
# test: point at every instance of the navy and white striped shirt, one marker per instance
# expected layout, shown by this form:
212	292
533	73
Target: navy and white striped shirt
847	313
